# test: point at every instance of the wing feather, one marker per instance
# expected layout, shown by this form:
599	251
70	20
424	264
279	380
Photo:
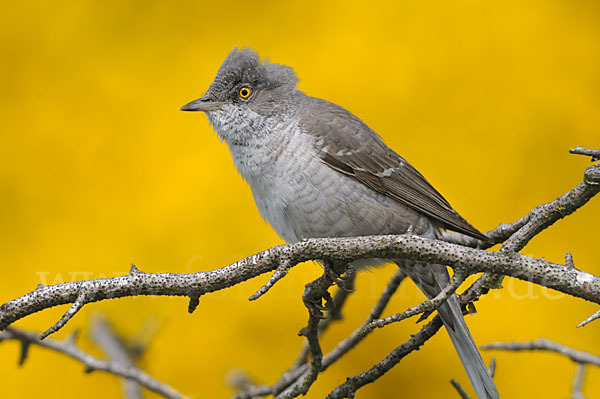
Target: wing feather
349	146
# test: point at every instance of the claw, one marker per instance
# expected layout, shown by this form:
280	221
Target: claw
348	279
329	303
317	304
338	278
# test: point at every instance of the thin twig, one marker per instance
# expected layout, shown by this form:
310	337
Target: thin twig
577	386
424	307
281	271
76	307
544	344
92	363
593	317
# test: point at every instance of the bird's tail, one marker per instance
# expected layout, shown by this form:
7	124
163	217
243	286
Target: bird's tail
467	350
430	279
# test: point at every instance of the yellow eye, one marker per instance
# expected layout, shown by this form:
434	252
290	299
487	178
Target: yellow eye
245	92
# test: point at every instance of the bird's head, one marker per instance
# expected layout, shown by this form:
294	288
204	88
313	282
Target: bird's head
246	94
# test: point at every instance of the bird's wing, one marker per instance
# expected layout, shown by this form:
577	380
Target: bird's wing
349	146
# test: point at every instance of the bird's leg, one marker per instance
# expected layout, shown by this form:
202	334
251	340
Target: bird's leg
341	273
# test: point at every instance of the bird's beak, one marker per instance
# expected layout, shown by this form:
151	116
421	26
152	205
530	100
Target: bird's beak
202	104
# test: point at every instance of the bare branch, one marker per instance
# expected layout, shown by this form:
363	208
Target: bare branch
352	384
92	363
139	283
543	344
406	246
570	281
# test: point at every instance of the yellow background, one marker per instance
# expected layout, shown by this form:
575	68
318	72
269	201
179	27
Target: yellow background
100	169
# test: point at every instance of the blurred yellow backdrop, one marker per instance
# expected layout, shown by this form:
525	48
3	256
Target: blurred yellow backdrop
100	169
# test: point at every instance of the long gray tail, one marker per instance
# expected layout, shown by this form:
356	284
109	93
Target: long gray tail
430	279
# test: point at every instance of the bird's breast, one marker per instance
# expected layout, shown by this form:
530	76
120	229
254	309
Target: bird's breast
277	178
302	197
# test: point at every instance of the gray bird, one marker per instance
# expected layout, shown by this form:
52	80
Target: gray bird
316	170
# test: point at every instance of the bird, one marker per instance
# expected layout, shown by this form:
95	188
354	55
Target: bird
316	170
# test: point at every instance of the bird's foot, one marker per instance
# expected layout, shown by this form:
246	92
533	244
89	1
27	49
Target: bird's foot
316	292
341	275
314	295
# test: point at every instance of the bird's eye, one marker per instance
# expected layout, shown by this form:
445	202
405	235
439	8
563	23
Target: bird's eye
245	92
